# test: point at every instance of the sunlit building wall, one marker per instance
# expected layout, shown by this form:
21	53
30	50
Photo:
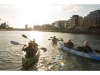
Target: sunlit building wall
80	21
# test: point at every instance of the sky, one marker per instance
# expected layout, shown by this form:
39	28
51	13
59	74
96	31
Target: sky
34	12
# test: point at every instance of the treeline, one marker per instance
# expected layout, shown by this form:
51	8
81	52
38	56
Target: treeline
96	27
4	26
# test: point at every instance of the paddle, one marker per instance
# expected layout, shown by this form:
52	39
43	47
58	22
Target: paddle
38	45
96	50
16	43
25	36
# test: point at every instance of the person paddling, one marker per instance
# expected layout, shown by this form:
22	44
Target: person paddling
35	45
87	48
54	40
30	50
69	44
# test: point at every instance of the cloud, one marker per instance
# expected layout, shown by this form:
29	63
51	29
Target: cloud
40	7
66	7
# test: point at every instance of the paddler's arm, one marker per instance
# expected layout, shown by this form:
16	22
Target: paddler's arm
23	49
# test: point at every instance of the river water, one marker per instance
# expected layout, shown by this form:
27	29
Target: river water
11	55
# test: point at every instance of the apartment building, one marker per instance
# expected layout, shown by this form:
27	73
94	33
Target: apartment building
80	21
92	18
75	20
59	24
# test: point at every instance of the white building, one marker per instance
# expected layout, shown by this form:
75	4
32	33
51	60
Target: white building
60	24
26	26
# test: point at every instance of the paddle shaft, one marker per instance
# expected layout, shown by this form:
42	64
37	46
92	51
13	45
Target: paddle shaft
30	40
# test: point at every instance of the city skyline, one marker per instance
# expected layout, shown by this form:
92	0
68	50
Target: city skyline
18	15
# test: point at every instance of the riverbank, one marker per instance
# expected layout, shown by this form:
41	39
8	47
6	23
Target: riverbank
57	30
85	31
14	30
74	31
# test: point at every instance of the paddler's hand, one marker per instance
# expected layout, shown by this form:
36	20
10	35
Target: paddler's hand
25	45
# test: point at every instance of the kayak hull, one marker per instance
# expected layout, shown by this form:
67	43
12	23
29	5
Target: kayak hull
30	61
74	51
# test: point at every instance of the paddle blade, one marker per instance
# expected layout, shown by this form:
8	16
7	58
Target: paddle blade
24	36
49	39
44	49
61	39
98	51
14	43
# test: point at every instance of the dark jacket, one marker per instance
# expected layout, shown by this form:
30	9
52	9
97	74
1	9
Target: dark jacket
87	49
69	44
54	40
30	51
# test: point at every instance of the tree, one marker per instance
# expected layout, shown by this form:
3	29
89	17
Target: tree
91	27
98	26
3	25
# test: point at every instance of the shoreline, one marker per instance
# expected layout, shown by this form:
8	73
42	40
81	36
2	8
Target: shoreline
65	31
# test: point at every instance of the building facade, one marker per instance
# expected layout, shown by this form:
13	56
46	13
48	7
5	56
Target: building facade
59	24
93	18
75	20
26	26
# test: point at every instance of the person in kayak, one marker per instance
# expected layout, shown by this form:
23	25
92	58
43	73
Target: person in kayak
30	50
87	48
69	44
54	40
35	45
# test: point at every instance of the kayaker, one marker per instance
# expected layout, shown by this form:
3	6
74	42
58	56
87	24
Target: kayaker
54	40
35	45
69	44
86	47
30	50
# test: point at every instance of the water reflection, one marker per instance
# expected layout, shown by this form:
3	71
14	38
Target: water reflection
35	35
10	55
